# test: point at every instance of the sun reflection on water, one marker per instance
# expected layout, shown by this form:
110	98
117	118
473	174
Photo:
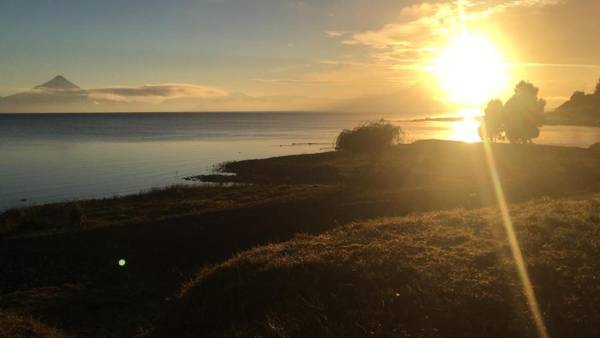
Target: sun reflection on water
465	130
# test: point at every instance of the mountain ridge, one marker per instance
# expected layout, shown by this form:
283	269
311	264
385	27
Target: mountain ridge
58	82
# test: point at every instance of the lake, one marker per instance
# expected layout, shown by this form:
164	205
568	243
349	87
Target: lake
58	157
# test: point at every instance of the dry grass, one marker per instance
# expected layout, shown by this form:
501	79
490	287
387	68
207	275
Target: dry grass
526	171
149	206
438	274
441	274
13	326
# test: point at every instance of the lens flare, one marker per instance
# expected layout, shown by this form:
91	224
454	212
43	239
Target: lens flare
515	248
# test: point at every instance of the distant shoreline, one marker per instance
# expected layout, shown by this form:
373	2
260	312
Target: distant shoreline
549	122
439	119
573	123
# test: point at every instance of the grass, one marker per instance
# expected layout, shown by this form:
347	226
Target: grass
438	274
60	261
526	170
42	219
442	170
149	206
12	325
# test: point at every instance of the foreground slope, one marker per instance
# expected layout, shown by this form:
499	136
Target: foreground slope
60	262
437	274
12	325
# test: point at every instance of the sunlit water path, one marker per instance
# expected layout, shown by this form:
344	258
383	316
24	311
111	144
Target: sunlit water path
47	158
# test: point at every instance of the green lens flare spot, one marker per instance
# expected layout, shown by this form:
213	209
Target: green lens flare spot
122	262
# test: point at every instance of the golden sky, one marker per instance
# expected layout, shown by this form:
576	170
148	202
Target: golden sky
294	55
548	42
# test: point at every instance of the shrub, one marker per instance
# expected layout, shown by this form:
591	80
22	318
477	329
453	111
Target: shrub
369	137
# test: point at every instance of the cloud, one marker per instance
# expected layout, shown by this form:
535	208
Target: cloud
336	34
155	92
296	81
422	26
544	41
243	102
154	97
340	63
418	10
553	65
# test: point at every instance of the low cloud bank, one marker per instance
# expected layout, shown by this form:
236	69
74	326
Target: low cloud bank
151	97
155	92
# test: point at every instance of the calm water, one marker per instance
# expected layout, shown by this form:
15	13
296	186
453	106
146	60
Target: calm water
47	158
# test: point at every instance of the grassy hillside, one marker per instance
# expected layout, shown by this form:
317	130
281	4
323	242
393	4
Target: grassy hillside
60	261
437	274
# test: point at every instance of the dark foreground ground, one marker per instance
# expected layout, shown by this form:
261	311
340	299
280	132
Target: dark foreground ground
437	274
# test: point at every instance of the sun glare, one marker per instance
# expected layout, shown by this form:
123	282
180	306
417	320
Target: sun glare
465	130
470	70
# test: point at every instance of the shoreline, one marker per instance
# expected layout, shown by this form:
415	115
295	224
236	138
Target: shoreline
129	257
220	175
243	172
549	122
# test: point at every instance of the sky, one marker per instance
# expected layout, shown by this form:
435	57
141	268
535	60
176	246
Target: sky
288	54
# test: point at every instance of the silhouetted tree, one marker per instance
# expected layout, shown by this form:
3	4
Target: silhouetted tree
370	137
492	121
518	120
597	91
523	114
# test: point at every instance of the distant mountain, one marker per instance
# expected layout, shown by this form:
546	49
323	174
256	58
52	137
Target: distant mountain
56	95
414	101
581	108
58	82
62	95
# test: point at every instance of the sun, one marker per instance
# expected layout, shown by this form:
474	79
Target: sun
470	70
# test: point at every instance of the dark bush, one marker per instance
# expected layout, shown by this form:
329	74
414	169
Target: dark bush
369	137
